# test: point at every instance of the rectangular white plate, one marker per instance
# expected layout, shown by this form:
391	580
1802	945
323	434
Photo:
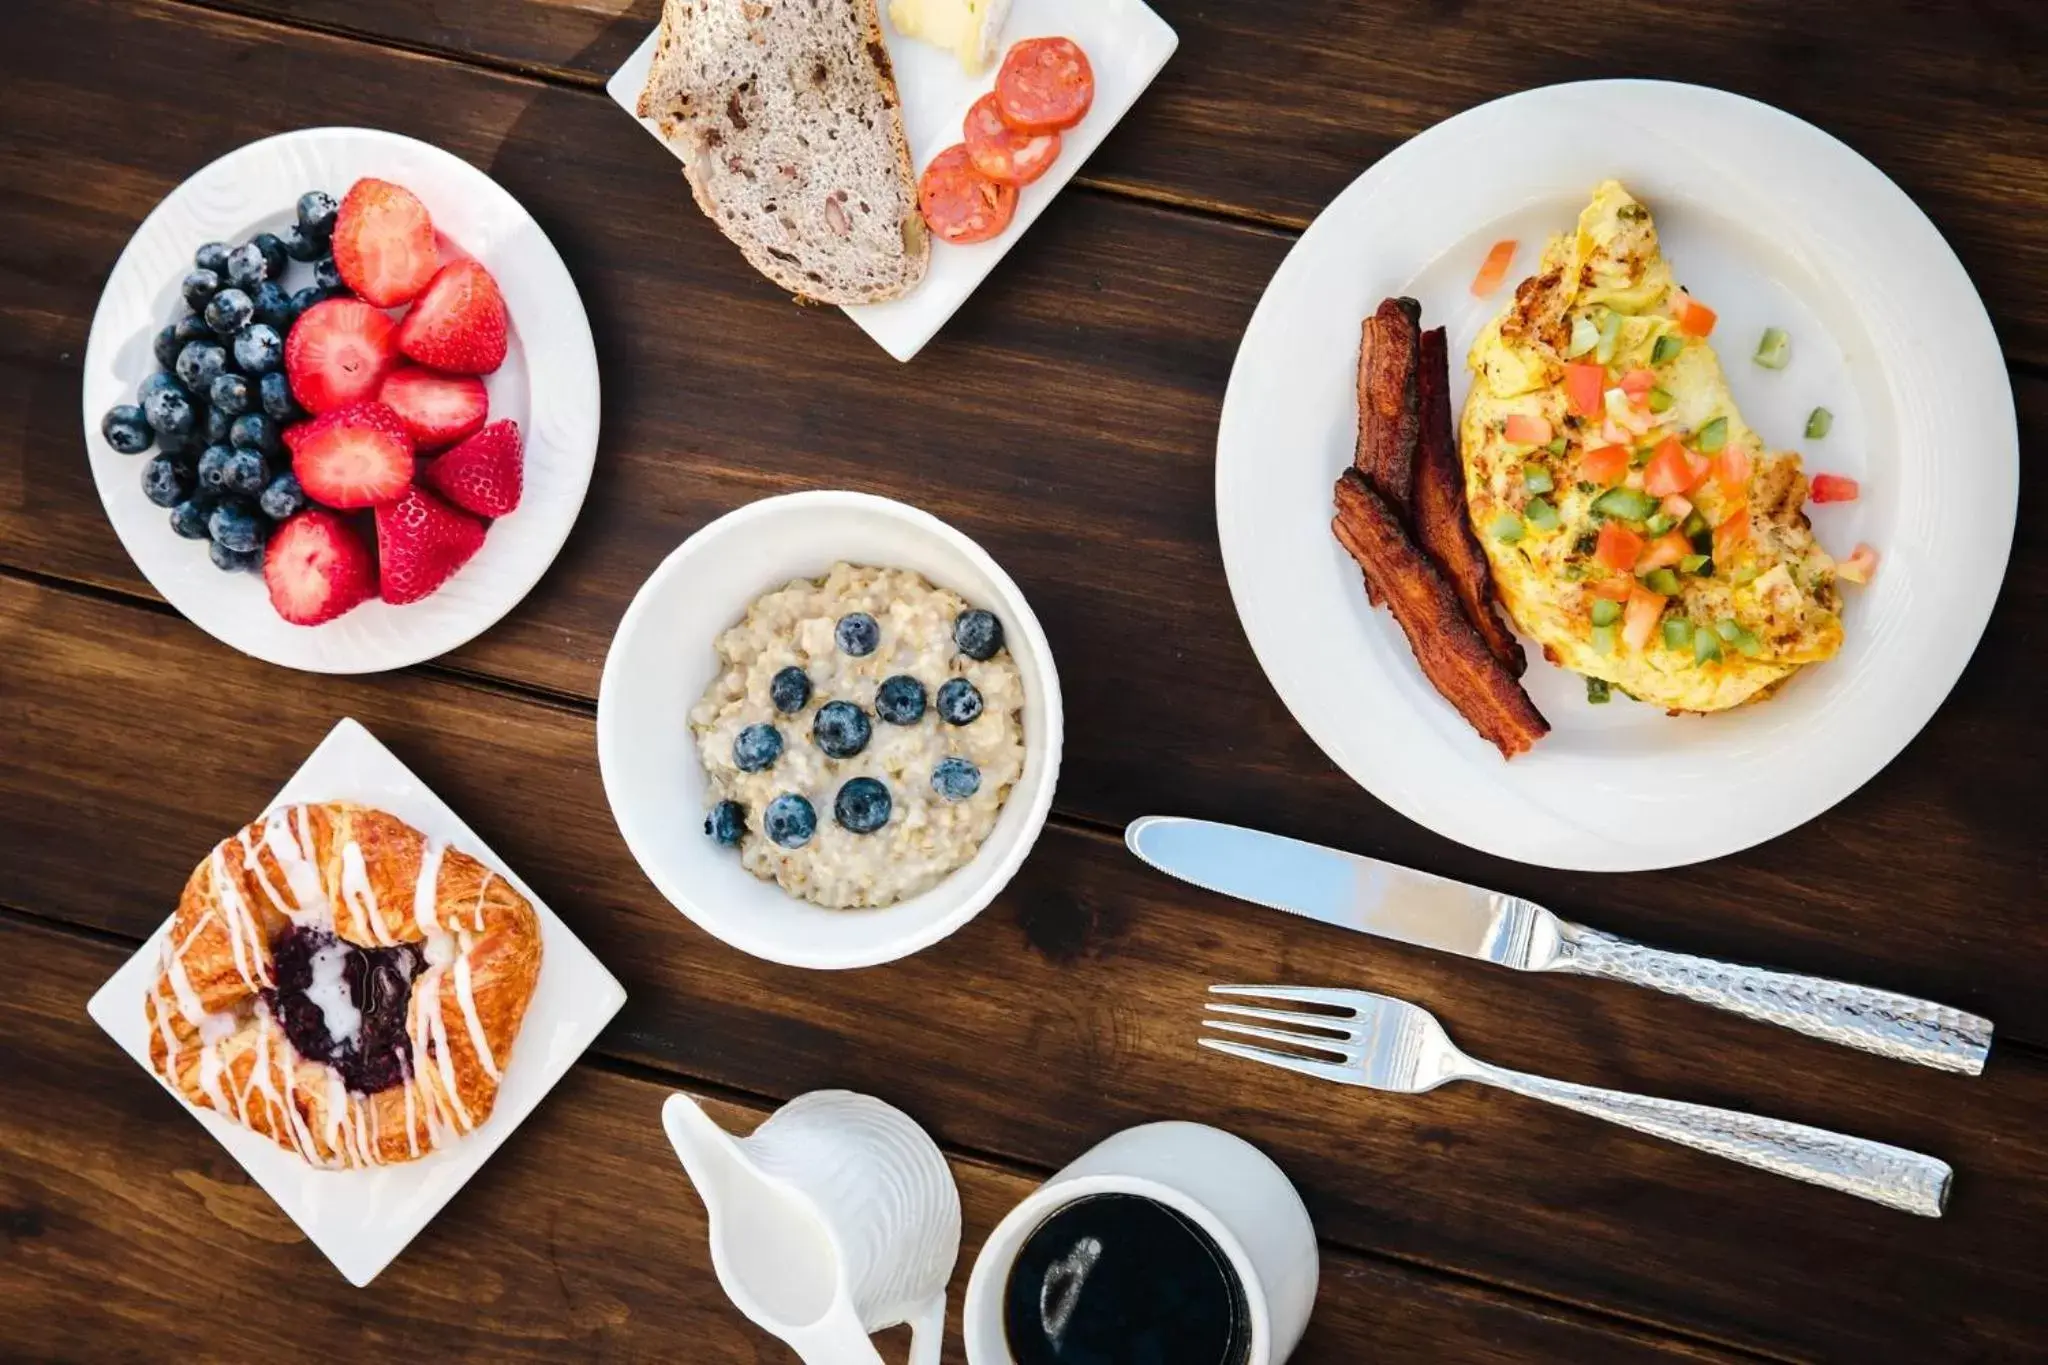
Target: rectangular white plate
1126	44
361	1219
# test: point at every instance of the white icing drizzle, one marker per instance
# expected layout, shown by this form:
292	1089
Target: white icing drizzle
289	847
360	896
245	938
476	912
255	865
181	987
210	1068
329	990
467	1000
423	888
161	1010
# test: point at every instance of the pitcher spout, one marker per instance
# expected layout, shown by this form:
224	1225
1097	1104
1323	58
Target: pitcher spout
709	1154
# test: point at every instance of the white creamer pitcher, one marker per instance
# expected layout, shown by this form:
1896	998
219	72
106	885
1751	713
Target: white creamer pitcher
837	1218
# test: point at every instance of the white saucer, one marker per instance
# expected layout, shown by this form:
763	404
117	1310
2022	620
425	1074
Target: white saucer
548	384
361	1219
1771	222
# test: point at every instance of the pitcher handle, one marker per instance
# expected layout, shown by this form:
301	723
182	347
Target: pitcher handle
928	1330
838	1338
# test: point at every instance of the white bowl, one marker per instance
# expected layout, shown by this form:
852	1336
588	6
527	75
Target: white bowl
663	657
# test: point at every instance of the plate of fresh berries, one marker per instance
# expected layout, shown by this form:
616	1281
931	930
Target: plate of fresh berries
341	400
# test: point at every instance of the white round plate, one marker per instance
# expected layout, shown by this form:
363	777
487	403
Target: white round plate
548	384
1771	222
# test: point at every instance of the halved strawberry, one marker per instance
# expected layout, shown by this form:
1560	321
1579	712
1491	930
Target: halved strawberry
338	353
384	242
421	542
317	568
357	456
459	324
439	409
482	474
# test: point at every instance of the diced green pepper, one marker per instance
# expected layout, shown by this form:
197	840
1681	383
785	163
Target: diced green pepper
1660	523
1696	564
1666	349
1818	423
1727	629
1630	504
1506	528
1774	350
1663	582
1660	400
1610	333
1603	639
1694	525
1540	514
1606	611
1706	646
1597	691
1712	436
1677	632
1558	446
1746	575
1537	479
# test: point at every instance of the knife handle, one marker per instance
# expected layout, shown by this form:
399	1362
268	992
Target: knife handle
1891	1025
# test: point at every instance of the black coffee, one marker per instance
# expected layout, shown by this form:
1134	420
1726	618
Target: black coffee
1119	1279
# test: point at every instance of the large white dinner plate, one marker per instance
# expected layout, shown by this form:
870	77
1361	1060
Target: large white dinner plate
1771	222
548	384
360	1219
1126	44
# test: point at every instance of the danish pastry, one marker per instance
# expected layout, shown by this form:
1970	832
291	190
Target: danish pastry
344	985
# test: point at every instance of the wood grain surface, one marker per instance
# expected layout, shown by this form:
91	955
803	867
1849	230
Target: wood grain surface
1066	419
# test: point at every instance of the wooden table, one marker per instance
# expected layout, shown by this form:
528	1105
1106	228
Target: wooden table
1066	419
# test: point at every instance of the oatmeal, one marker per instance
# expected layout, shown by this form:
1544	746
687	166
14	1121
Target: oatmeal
861	736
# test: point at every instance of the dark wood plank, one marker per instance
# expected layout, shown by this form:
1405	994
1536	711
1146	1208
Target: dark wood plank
1069	1010
126	1223
1270	109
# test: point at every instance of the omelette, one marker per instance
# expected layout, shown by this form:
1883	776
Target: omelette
1637	527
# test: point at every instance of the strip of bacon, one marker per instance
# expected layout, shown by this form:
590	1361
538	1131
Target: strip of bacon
1453	656
1441	526
1389	400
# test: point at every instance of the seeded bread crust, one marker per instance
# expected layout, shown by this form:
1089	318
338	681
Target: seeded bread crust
786	115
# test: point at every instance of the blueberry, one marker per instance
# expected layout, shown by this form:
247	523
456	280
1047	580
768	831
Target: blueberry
213	468
273	306
258	349
790	821
282	496
862	805
162	379
978	634
790	689
301	245
955	778
727	822
756	747
900	700
234	525
169	410
235	561
191	327
841	729
316	212
278	403
215	427
229	311
199	363
326	274
188	518
272	247
229	393
126	429
246	473
199	288
167	346
213	256
858	634
959	701
247	268
254	431
167	481
306	298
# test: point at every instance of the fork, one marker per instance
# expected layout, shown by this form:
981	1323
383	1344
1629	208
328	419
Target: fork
1389	1044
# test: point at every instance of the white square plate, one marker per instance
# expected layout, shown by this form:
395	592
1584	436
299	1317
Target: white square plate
361	1219
1126	44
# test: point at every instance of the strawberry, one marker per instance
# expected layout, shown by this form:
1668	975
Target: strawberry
439	409
338	353
421	541
483	473
357	456
384	242
317	568
459	324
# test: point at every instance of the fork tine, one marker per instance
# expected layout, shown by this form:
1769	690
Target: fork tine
1339	1046
1328	1071
1314	995
1338	1024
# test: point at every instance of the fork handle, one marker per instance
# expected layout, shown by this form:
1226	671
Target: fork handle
1875	1171
1892	1025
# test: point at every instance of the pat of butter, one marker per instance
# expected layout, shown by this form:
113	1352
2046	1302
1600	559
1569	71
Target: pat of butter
969	29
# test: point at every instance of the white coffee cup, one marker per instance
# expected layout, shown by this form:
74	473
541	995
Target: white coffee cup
1226	1186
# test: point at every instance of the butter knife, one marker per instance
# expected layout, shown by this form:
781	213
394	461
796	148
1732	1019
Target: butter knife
1391	901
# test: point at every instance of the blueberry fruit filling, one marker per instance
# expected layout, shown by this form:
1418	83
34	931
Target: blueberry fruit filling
327	986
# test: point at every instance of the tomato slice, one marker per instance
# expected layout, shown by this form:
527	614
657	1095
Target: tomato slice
1615	589
1618	547
1494	268
1695	319
1835	488
1677	507
1638	383
1731	533
1524	430
1668	472
1664	552
1606	466
1585	386
1639	617
1731	470
1859	567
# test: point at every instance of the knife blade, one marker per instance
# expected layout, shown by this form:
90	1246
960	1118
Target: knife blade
1384	899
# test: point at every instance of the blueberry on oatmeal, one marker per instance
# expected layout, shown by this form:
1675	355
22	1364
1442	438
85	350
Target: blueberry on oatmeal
756	747
955	778
790	820
858	634
862	805
978	634
841	729
959	701
900	700
726	822
790	690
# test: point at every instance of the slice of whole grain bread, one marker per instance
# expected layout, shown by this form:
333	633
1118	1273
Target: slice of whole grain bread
786	116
